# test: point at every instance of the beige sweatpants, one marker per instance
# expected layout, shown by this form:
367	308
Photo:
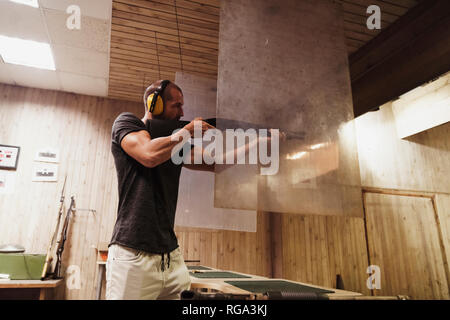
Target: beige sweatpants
137	275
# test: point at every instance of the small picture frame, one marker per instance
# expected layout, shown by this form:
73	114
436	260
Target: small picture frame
9	157
47	155
45	172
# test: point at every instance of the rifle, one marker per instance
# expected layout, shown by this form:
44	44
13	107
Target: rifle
162	128
62	240
49	258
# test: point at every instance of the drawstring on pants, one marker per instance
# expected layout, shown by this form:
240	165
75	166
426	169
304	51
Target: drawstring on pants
162	261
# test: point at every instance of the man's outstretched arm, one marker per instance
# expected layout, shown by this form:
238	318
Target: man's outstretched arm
152	152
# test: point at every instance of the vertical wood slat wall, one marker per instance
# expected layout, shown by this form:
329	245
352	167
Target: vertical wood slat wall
316	249
80	127
405	241
247	252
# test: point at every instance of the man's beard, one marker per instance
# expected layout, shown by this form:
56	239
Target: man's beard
164	117
160	117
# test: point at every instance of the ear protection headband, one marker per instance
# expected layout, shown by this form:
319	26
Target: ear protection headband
155	102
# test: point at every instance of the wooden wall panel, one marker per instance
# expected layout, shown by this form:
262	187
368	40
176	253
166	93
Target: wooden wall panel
247	252
423	108
80	127
442	203
316	249
417	165
419	162
404	241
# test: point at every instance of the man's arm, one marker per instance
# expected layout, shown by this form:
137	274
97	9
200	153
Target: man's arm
199	167
241	151
221	167
147	151
152	152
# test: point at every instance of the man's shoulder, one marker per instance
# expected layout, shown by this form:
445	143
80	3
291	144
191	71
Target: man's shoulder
125	123
126	116
126	119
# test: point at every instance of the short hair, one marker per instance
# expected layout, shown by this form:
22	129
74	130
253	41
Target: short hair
166	96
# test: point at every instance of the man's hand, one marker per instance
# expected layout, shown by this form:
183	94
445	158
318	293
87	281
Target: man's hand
198	122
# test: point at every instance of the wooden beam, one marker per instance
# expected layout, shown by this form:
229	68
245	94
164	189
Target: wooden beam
412	51
276	244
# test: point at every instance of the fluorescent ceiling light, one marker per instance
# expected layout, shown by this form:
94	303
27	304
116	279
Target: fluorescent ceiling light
26	52
32	3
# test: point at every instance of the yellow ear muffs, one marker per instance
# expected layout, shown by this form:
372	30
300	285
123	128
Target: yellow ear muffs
158	106
154	101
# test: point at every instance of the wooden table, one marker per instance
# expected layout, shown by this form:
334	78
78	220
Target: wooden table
27	289
220	285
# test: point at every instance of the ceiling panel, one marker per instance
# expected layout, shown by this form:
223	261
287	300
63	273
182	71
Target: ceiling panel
81	61
100	9
34	77
22	21
92	35
152	40
83	84
84	53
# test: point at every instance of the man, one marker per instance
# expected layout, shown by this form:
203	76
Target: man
144	260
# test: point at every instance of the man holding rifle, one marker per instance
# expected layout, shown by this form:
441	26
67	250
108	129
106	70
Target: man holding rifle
144	260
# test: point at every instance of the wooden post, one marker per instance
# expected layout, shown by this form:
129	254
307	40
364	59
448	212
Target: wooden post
276	247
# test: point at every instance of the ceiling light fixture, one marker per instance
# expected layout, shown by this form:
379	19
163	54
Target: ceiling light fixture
31	3
26	52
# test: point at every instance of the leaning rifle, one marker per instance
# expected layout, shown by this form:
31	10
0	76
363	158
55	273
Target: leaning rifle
62	239
49	258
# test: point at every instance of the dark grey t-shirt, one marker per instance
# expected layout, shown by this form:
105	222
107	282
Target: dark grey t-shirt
147	196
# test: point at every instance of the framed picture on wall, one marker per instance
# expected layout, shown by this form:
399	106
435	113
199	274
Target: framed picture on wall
9	156
47	155
45	172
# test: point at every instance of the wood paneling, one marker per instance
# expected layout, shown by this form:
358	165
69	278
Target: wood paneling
247	252
405	242
413	50
80	128
312	249
159	37
423	108
316	249
151	40
413	167
418	163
